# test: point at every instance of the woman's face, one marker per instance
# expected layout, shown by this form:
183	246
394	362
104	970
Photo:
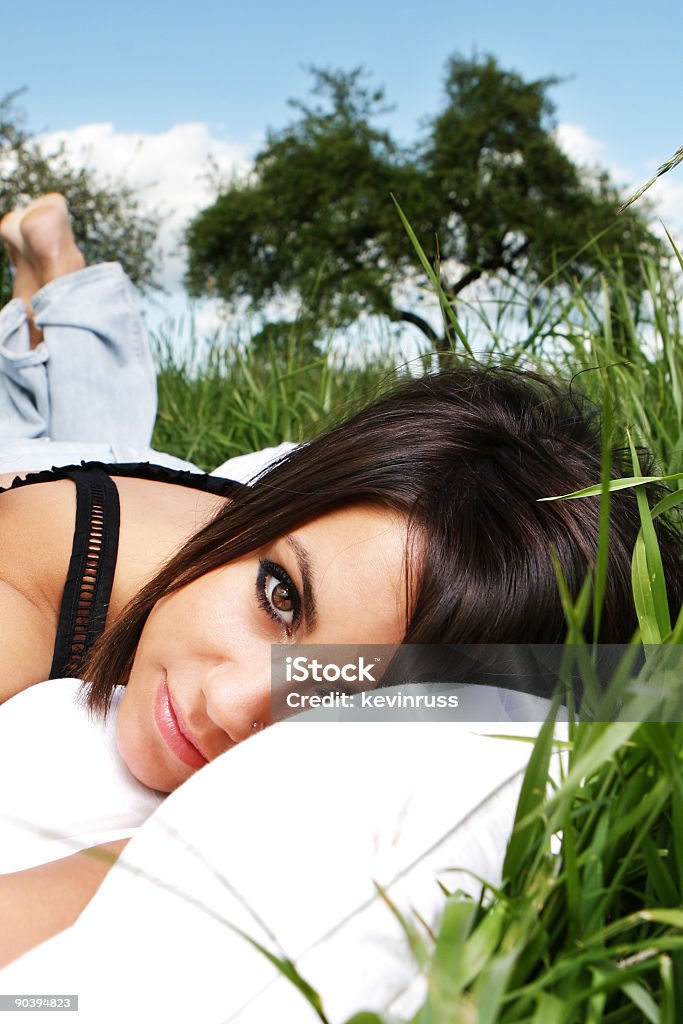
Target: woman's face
202	672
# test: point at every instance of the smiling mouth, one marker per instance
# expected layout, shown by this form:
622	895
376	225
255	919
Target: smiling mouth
173	730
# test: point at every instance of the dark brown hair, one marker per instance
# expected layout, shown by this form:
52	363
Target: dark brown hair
465	454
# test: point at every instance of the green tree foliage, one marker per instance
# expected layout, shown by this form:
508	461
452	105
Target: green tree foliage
487	190
107	218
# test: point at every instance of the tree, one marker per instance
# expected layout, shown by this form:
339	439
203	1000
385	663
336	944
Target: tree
511	200
487	191
107	218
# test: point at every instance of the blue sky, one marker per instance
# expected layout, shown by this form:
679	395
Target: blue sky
146	66
149	91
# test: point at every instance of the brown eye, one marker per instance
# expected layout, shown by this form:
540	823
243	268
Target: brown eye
282	598
278	595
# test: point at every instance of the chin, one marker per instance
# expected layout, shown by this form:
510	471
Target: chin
153	776
147	769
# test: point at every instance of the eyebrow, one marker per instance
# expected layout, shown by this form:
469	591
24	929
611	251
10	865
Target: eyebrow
303	562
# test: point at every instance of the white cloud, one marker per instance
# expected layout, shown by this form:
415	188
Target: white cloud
589	152
170	170
583	148
666	195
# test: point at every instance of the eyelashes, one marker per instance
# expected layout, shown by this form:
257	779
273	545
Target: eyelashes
277	595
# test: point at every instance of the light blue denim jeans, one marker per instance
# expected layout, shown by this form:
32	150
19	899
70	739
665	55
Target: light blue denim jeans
92	378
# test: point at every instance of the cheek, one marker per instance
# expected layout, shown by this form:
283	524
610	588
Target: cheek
125	733
209	604
134	742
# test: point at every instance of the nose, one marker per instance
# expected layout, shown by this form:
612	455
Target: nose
238	698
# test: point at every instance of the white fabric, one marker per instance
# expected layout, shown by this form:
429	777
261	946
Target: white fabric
35	454
245	467
291	828
63	786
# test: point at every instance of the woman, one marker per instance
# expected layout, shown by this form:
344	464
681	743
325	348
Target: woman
415	520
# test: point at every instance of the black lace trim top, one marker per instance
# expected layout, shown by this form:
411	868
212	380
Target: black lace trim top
94	550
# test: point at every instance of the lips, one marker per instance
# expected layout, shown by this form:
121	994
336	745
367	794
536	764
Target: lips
173	730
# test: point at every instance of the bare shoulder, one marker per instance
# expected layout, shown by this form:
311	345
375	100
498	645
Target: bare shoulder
22	663
36	529
36	533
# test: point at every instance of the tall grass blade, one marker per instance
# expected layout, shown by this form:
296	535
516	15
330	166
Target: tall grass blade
667	166
446	306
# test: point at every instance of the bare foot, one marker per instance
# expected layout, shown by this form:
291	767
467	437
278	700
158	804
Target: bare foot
41	247
47	240
25	284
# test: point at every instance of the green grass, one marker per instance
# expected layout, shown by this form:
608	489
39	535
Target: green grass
588	924
222	398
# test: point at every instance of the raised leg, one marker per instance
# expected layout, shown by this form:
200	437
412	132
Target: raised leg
93	379
41	247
